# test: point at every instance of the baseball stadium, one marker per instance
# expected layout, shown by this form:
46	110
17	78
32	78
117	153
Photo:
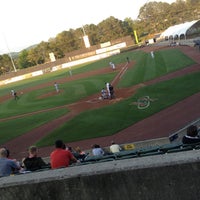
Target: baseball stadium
156	97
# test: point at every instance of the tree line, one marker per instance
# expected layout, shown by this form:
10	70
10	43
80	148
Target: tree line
154	17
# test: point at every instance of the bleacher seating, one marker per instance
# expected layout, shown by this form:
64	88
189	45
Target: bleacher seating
100	158
141	152
134	153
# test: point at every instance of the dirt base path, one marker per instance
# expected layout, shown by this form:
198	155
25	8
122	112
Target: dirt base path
159	125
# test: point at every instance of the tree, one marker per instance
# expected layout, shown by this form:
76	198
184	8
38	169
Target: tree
23	60
5	64
153	16
66	41
110	29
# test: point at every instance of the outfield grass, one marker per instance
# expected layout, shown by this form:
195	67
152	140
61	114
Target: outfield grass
105	121
15	127
146	68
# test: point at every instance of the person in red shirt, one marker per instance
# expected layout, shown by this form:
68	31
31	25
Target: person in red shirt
60	157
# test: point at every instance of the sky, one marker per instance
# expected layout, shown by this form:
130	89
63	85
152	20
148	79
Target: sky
27	22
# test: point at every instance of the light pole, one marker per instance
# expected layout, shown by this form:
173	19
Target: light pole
13	64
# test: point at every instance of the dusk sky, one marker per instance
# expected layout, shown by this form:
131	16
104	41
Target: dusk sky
28	22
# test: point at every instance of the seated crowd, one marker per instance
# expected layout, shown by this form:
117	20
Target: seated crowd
64	156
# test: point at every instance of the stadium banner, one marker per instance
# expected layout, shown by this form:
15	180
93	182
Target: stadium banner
89	59
20	78
37	73
106	44
111	48
113	51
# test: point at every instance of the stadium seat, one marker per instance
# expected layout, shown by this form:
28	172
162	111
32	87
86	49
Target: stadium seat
186	148
126	154
99	158
149	151
166	147
194	145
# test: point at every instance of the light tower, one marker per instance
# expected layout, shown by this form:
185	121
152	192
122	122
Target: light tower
13	64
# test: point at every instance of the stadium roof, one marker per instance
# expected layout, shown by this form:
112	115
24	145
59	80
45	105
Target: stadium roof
178	30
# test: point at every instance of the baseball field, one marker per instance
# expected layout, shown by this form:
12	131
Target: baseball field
154	96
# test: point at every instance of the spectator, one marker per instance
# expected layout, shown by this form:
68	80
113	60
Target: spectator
8	156
7	166
33	162
115	148
74	153
79	154
70	149
8	153
97	150
61	157
79	151
192	135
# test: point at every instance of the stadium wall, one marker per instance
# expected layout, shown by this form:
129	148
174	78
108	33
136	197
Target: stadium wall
71	59
168	176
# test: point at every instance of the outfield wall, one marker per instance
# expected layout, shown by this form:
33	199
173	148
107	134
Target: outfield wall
58	67
168	176
71	59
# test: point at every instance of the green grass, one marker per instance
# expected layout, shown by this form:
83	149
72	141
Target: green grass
146	68
111	119
108	120
64	73
15	127
70	92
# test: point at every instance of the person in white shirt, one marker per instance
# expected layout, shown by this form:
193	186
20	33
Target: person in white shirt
112	65
97	150
12	92
108	89
115	148
56	87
